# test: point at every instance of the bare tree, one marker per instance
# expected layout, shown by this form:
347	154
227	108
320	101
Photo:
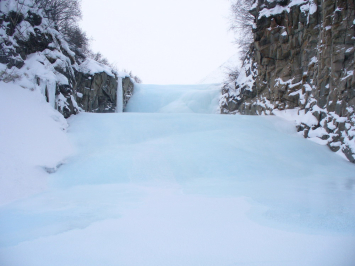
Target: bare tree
65	14
242	24
135	78
99	58
77	40
61	12
232	74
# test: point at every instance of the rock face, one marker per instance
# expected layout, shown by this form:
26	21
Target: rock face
302	58
128	87
96	93
34	54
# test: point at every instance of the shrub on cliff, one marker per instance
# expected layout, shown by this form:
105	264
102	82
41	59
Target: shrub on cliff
77	40
242	24
63	13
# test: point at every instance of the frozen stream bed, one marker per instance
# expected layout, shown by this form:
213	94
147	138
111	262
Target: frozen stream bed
177	187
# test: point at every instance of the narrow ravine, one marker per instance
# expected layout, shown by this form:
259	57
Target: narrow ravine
172	182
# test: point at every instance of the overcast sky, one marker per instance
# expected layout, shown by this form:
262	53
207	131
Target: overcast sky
161	41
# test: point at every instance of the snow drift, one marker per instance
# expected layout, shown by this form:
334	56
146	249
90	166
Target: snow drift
33	142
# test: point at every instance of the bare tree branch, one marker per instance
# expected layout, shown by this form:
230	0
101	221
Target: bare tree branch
242	24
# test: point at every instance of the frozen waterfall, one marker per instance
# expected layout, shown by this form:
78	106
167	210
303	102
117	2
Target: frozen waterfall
202	98
119	106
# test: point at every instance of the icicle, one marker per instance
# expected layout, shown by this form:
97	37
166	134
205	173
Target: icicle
47	88
51	87
119	107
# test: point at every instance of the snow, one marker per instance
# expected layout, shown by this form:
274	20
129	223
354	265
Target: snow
348	74
36	67
32	137
279	9
315	134
297	116
91	67
22	6
170	188
313	60
306	6
279	81
307	87
312	7
39	74
244	80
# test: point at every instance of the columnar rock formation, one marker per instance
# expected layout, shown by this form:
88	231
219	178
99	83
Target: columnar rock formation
302	58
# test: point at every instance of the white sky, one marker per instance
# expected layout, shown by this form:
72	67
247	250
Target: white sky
161	41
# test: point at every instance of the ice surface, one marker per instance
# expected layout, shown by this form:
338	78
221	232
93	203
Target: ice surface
202	98
186	189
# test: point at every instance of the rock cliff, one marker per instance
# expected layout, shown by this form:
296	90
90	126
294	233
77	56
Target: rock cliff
301	63
35	55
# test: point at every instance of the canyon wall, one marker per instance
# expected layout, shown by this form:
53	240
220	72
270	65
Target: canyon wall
301	63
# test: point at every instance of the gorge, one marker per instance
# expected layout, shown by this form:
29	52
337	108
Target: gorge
99	169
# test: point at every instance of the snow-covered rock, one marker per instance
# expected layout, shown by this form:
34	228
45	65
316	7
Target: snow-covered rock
302	59
35	56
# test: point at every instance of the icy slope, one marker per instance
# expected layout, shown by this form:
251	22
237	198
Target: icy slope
186	189
202	98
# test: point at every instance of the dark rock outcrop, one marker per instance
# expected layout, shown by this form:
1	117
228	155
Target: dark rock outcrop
302	58
128	87
96	93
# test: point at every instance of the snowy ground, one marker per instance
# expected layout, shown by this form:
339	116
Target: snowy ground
184	189
32	137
